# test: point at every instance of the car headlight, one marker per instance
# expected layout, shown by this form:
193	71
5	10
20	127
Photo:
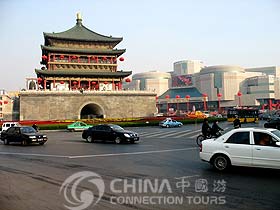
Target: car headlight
126	135
44	136
32	137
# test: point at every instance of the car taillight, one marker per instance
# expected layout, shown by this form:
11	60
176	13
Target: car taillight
200	147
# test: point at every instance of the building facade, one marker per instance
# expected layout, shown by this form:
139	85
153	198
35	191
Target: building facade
187	67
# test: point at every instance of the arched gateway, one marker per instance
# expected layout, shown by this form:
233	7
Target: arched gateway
90	111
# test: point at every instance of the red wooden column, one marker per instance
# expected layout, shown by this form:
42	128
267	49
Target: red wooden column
89	84
54	83
79	83
49	58
45	84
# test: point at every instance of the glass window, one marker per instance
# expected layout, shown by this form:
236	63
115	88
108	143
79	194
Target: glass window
263	139
276	132
239	138
11	130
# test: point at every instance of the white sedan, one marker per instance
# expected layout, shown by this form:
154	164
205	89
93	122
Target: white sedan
251	147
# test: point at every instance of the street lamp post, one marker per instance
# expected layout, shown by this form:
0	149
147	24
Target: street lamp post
157	105
188	102
239	94
167	97
219	95
204	95
177	98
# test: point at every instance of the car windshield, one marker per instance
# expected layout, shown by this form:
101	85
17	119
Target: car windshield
116	128
27	130
276	133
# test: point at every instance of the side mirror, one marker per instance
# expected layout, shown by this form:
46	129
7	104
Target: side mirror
277	144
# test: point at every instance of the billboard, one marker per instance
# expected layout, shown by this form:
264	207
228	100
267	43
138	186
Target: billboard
182	81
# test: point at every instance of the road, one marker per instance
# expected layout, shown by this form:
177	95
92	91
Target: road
163	171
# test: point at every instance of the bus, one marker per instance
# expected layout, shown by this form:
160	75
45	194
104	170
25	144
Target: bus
244	114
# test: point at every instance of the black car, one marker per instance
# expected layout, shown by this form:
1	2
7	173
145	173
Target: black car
273	123
25	135
109	132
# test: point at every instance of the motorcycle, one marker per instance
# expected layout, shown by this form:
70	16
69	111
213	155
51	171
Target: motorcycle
210	135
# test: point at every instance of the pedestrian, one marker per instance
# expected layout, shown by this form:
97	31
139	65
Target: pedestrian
216	129
206	129
35	127
236	122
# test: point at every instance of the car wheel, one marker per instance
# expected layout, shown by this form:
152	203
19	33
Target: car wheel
42	143
221	162
167	126
132	141
6	141
89	139
199	140
179	125
118	140
265	125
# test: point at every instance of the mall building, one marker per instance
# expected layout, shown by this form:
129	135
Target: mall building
191	83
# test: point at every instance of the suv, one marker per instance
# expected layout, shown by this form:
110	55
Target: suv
7	125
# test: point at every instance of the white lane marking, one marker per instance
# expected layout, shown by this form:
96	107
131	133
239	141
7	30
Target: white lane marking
154	133
162	133
100	155
195	135
174	134
30	154
133	153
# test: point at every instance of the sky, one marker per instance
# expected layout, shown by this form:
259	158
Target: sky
156	33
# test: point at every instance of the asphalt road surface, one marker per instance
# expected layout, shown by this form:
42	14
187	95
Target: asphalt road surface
162	171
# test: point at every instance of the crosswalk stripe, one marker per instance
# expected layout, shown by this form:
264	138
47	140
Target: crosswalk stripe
160	134
154	133
174	133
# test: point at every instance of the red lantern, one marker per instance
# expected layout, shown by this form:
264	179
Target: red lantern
204	95
0	102
167	96
121	59
61	57
156	97
62	82
219	95
105	82
74	57
75	82
104	58
93	82
177	96
5	102
239	93
187	97
127	80
44	57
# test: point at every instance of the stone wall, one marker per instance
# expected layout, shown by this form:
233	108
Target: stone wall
48	105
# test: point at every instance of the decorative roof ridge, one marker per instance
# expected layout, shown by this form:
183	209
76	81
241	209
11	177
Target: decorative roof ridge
49	47
78	27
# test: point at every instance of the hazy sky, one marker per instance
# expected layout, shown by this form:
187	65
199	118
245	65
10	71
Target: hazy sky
156	33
